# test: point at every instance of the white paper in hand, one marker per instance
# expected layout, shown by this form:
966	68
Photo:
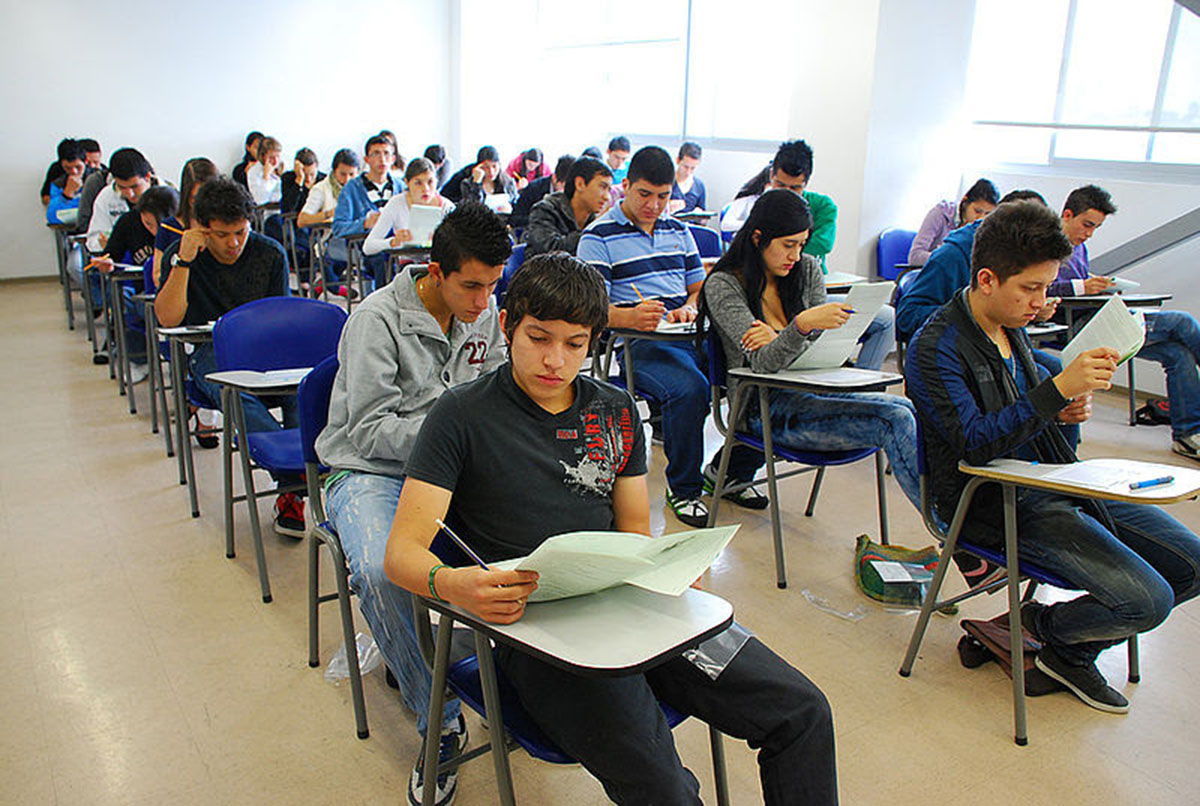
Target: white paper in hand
1114	326
422	221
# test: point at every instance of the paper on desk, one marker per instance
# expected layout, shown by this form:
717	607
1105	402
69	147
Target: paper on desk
287	376
1121	284
498	202
578	563
676	327
1110	474
843	278
1115	326
423	220
833	347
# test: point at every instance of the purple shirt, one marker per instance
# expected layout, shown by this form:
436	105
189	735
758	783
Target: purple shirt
1071	274
937	225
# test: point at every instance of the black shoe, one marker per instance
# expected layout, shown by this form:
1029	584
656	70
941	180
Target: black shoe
390	678
1085	682
750	497
453	742
691	511
1031	613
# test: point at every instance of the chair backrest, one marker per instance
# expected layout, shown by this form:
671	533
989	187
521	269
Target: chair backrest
277	333
312	400
892	248
717	369
932	522
903	284
727	237
510	268
708	241
148	276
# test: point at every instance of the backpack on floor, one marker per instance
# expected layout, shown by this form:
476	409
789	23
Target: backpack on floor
1156	411
990	641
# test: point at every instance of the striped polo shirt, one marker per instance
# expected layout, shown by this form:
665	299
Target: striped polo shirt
662	264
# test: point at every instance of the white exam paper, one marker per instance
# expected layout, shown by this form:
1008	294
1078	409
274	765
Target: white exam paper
833	347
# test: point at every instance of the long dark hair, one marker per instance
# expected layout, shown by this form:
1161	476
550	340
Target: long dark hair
196	171
982	190
776	214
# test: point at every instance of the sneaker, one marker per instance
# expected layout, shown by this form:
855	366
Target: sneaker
750	497
347	292
138	372
1031	613
1188	446
1085	682
691	511
453	742
100	357
289	515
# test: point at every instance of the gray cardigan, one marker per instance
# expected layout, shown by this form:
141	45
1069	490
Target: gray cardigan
395	363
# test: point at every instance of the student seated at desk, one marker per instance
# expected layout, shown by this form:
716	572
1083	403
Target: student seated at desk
579	447
1172	337
767	301
539	189
320	207
62	192
263	175
528	166
981	396
429	330
481	179
298	182
979	200
616	156
362	198
687	193
391	228
652	271
195	173
131	176
556	223
248	158
436	154
217	265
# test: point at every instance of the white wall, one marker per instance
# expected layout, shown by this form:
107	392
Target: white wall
179	80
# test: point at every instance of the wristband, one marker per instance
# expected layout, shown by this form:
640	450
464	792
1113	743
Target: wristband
433	590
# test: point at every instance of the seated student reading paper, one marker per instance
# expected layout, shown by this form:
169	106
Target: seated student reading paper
534	449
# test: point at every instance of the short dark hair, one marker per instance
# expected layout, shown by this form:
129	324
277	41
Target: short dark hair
470	231
487	154
89	145
1023	195
126	163
251	137
619	143
1089	197
652	164
435	154
593	152
377	140
345	156
1015	236
557	286
418	166
224	200
562	168
690	149
306	156
70	150
196	171
585	168
794	158
159	201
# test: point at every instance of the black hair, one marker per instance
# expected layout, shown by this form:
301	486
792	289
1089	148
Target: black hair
562	168
593	152
159	201
126	163
487	154
196	171
585	168
435	154
793	157
1089	197
223	199
534	153
251	137
652	164
418	166
399	162
1023	195
690	149
557	286
619	143
89	145
377	140
470	231
983	190
306	156
70	150
345	156
776	214
1015	236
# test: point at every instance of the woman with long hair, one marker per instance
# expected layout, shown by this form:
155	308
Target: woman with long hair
979	200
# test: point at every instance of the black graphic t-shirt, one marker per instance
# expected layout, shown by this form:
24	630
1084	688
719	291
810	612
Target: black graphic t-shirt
520	474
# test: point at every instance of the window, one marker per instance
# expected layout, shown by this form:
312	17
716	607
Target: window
1054	80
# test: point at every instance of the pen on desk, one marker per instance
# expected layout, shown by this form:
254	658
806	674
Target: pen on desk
1158	482
462	544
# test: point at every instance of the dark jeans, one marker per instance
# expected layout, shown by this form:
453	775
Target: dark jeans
614	725
1133	578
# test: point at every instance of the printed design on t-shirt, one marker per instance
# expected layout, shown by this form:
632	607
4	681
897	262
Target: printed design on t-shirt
477	350
601	452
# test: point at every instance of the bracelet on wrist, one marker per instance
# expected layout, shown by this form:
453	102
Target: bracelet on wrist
433	588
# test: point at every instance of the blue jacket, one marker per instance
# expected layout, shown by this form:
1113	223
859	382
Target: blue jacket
947	270
353	207
59	203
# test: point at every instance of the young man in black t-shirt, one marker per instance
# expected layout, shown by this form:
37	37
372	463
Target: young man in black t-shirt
217	265
534	449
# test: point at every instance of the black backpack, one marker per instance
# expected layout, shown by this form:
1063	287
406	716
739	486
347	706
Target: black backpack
1156	411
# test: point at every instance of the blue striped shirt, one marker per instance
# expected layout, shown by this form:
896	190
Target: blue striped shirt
662	264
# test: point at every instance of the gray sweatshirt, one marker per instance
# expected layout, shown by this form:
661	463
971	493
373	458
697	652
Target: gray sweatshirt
395	363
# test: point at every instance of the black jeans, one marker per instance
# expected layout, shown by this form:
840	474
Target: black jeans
616	729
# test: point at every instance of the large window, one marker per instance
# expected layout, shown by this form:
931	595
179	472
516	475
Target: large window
1058	80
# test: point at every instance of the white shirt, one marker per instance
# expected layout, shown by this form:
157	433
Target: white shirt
106	209
393	218
264	188
320	199
738	212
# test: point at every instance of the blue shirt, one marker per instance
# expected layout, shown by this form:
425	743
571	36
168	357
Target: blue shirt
661	264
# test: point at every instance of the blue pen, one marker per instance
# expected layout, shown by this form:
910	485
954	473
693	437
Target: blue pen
462	544
1141	485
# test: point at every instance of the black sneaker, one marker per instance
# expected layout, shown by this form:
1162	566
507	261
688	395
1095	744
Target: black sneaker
453	742
1031	612
1085	682
289	516
691	511
1188	446
750	497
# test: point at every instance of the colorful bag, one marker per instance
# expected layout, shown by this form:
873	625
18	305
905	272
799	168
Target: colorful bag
919	563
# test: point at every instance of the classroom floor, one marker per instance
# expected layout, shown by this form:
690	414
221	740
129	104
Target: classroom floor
138	665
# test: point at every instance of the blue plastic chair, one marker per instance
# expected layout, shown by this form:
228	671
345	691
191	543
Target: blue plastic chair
726	237
902	287
811	460
708	241
514	262
263	335
891	250
951	540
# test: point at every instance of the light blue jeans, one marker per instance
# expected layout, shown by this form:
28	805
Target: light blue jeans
1173	340
361	507
878	339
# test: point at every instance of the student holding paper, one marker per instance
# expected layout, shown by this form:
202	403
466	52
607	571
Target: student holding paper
1172	337
391	228
981	396
579	446
767	301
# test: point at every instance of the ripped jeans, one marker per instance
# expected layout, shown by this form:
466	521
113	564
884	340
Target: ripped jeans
361	507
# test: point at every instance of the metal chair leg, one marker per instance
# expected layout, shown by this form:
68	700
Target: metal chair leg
881	494
314	583
816	490
251	497
491	699
356	689
227	471
437	702
1017	645
1135	668
764	408
720	775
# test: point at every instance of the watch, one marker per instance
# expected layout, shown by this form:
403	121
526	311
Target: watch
176	260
